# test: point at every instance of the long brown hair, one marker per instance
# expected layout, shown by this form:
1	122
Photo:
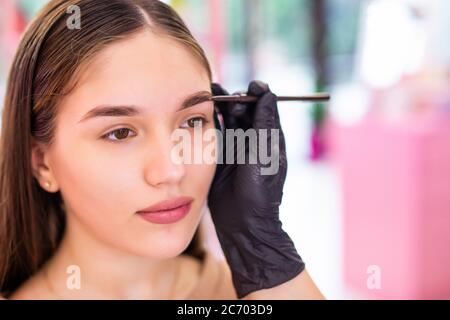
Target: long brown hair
46	67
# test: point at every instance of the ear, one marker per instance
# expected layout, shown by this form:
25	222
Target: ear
42	170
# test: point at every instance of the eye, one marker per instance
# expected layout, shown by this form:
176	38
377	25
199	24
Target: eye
194	122
118	134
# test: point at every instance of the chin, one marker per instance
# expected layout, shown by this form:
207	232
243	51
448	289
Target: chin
158	241
163	245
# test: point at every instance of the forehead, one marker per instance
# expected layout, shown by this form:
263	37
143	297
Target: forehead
146	54
140	70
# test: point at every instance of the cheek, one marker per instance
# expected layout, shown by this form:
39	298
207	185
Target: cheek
93	186
200	173
198	180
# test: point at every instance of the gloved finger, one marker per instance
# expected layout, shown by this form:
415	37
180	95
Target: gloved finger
238	109
263	108
267	117
257	88
266	112
224	108
218	90
241	114
246	110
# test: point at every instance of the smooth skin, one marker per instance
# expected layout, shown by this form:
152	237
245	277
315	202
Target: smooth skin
104	180
105	176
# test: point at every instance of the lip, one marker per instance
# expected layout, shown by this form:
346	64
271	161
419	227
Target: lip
168	211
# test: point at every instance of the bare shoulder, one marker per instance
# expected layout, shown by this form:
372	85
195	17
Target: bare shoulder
34	288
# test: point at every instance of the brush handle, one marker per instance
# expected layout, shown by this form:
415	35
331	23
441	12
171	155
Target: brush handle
243	98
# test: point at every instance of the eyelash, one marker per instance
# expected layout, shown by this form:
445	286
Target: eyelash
111	133
205	121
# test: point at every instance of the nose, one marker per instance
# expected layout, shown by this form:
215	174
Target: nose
160	168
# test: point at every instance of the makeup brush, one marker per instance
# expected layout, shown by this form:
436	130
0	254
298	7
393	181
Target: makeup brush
243	98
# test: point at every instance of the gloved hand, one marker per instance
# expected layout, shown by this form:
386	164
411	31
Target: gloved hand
244	204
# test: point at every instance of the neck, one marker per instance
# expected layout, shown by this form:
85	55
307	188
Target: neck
104	272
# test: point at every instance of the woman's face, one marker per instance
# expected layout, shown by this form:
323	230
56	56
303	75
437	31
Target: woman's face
105	176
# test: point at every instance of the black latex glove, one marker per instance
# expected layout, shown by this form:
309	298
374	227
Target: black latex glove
245	204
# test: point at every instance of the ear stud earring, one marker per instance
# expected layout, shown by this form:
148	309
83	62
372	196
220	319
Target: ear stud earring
47	184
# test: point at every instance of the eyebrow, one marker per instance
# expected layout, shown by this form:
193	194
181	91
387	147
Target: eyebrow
130	111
